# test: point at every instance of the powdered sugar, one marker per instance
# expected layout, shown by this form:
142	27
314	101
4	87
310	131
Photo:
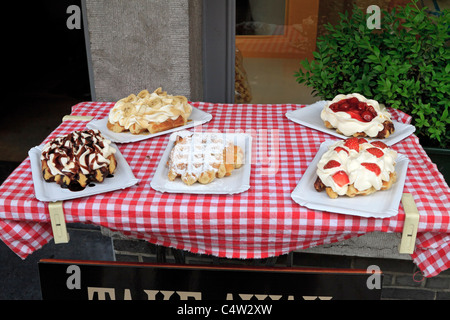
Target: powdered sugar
196	153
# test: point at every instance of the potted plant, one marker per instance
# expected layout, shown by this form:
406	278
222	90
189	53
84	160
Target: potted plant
404	65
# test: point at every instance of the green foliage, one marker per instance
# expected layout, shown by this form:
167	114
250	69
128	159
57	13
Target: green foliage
404	65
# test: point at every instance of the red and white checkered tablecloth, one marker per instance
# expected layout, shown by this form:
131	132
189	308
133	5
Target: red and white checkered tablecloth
261	222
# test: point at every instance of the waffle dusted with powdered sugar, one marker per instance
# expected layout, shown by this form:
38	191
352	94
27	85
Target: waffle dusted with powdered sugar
202	157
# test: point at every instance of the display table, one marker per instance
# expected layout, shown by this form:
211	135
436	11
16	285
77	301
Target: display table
261	222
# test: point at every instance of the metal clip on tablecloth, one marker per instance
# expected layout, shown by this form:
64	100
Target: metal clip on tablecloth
79	118
410	226
58	221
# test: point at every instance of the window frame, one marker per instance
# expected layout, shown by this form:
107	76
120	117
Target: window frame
219	50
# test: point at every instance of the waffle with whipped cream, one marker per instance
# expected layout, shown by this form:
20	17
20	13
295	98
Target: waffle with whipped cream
77	159
202	157
354	115
356	167
149	112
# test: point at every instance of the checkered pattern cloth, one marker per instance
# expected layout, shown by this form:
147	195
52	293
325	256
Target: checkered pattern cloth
261	222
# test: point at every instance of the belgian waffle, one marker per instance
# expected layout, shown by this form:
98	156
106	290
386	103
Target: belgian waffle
149	112
202	157
356	167
77	159
354	115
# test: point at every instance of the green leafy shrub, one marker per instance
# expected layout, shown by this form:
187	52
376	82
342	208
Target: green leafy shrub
404	65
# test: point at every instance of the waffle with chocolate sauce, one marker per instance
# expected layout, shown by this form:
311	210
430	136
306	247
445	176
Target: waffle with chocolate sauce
77	159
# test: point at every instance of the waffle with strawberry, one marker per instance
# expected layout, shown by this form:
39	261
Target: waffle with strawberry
356	167
354	115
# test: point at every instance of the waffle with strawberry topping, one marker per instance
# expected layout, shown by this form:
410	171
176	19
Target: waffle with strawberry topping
354	115
356	167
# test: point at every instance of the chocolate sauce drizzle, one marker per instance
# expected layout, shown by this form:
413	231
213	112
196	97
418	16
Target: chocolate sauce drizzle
75	153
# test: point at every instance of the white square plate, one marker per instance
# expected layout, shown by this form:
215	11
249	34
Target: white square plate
381	204
51	191
309	116
237	182
197	118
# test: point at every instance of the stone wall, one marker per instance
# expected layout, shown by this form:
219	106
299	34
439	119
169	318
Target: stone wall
139	44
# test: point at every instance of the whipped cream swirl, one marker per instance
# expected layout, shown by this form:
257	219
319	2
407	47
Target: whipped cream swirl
354	164
147	108
79	151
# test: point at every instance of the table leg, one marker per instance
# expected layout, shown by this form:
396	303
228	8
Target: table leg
160	254
179	256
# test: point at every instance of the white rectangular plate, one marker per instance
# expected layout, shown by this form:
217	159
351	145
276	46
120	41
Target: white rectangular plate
309	116
381	204
51	191
237	182
197	118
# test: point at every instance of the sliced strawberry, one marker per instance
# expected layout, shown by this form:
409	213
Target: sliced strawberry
344	107
379	144
355	115
362	106
367	116
356	109
339	149
376	152
353	101
372	167
362	140
331	164
341	178
334	107
352	143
